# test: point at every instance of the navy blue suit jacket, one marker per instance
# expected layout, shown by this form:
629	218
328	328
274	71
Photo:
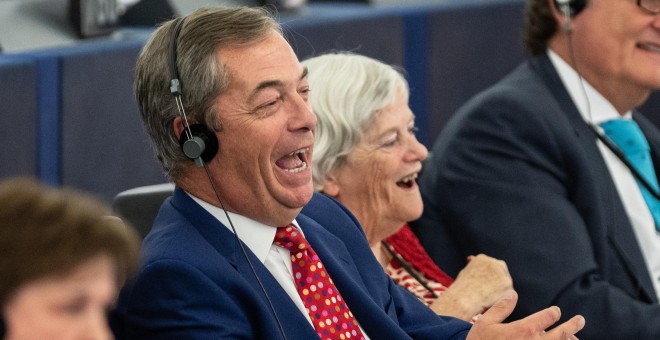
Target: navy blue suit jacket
195	282
517	174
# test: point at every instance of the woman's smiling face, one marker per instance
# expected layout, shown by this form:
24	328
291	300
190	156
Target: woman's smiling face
377	180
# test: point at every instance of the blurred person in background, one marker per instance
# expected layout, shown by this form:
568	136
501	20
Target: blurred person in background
63	259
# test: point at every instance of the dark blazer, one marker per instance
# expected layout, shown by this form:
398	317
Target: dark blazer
195	282
517	174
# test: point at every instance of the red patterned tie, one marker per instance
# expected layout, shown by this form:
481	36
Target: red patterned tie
331	317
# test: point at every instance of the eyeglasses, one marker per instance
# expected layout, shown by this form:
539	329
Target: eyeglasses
651	6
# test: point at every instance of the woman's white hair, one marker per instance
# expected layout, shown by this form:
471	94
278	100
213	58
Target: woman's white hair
347	91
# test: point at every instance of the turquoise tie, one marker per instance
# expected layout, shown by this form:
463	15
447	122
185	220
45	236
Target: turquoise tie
627	135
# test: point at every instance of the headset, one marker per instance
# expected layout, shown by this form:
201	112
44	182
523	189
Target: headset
198	142
569	8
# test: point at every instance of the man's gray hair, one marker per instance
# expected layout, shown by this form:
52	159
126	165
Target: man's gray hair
203	77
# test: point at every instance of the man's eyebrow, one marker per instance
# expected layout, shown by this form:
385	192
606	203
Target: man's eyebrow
304	74
267	84
276	83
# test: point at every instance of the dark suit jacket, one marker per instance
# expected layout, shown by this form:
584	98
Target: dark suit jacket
517	174
195	282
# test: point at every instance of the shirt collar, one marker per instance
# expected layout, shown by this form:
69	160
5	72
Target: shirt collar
592	105
256	235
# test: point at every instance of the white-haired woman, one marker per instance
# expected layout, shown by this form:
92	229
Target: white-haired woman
367	157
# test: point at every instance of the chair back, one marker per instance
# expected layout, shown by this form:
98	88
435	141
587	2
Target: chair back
140	205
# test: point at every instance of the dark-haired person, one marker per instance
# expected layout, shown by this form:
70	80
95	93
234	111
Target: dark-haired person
232	254
520	174
62	262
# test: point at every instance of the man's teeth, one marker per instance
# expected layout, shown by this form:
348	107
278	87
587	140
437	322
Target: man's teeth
299	151
302	167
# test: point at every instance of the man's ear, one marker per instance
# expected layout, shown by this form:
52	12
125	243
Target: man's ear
178	127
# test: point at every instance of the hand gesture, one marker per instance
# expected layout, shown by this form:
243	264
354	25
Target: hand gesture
489	325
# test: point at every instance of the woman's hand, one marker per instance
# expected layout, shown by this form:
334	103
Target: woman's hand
477	287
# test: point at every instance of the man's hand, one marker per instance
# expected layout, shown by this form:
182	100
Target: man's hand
490	326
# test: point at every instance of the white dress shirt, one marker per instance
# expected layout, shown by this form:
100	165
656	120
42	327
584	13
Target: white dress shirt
596	109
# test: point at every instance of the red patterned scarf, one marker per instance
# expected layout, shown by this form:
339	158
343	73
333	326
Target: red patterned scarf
406	243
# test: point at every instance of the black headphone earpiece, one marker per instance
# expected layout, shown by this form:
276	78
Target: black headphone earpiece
203	143
197	140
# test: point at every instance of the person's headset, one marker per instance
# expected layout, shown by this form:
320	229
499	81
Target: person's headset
198	142
569	8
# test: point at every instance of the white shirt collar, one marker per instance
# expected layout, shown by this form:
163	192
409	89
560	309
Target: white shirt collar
592	105
256	235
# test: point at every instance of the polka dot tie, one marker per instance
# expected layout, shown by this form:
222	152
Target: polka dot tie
330	315
627	135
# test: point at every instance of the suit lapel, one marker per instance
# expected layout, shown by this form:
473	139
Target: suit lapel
224	242
349	281
324	244
214	232
653	137
337	261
